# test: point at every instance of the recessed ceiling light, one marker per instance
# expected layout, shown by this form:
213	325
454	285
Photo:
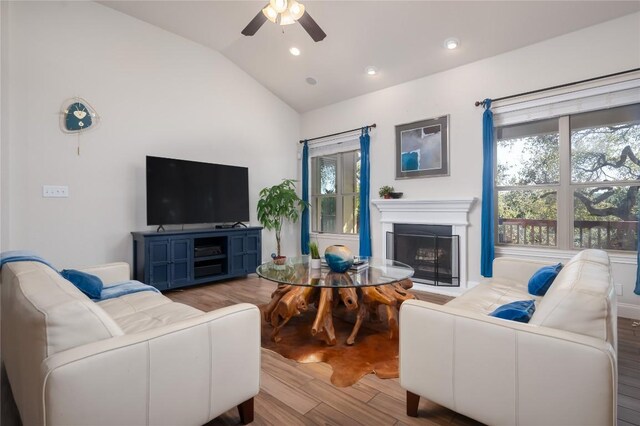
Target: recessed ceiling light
451	43
371	70
294	51
312	81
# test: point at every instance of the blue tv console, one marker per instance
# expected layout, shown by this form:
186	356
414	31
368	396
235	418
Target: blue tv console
173	259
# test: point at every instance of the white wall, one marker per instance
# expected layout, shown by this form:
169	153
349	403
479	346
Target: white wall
157	94
4	128
599	50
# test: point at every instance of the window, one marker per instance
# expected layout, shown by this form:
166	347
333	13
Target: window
570	182
335	192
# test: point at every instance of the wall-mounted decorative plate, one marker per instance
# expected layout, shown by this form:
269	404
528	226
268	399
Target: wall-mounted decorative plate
78	115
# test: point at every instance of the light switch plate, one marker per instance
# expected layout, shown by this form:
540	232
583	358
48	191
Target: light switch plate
53	191
619	289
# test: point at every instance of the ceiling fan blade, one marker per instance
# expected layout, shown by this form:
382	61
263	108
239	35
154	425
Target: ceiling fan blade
255	24
312	27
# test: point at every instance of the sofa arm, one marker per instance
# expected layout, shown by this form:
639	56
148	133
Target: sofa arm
516	270
185	373
110	273
504	372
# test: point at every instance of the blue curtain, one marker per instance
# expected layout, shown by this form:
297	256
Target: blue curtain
637	289
487	232
365	213
304	222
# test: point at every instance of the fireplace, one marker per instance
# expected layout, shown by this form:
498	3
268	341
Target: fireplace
431	250
449	213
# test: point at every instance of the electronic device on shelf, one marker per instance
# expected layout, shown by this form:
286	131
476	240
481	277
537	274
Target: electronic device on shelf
186	192
207	251
203	271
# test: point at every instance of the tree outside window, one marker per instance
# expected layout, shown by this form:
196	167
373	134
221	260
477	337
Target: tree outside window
335	193
570	182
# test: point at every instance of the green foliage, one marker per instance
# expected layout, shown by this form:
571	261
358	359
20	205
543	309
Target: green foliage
313	249
385	190
539	161
539	204
278	204
606	153
598	154
328	174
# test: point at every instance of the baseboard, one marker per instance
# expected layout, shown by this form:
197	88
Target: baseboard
627	310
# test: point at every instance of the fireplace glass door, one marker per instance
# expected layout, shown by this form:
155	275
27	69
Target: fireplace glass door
435	258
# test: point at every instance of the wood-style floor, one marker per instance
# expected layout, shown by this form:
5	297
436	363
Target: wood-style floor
301	394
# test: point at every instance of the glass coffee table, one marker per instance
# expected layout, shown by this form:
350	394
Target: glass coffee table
380	283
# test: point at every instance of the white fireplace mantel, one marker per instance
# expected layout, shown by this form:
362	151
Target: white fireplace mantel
452	212
446	212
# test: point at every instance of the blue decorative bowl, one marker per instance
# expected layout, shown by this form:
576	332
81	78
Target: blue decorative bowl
339	258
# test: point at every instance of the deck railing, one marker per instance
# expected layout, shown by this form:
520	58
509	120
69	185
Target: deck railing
619	235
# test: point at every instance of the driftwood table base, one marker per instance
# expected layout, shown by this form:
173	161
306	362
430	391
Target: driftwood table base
289	301
373	353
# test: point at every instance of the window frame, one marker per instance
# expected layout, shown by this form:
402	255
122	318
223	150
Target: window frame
315	196
565	188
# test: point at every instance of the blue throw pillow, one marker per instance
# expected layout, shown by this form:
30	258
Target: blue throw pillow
520	311
86	283
543	278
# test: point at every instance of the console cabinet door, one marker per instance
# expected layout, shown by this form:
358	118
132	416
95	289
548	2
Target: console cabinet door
237	248
253	252
181	263
159	263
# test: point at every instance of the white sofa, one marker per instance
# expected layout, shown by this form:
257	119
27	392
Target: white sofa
558	369
140	359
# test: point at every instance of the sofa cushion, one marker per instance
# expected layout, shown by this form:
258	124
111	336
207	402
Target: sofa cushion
87	283
145	311
487	297
580	299
542	279
520	311
50	306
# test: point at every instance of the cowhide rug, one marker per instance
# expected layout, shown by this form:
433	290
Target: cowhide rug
373	351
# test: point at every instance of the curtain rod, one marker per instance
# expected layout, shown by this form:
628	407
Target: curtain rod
478	103
370	126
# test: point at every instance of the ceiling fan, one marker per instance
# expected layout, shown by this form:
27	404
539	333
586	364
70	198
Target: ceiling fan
285	12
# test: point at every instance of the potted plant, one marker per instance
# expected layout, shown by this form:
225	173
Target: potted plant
385	191
276	205
315	262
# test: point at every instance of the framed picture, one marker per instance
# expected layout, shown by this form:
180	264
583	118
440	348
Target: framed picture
422	148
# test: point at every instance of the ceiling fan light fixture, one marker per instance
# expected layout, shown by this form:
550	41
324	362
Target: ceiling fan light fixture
296	9
270	13
284	12
278	5
286	18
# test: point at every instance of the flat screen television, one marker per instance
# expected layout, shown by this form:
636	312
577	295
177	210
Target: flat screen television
183	192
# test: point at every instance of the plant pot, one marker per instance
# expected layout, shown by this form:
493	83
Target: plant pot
315	263
387	196
280	260
339	258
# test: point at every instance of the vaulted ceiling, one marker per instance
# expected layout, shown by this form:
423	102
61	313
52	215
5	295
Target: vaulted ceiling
402	39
